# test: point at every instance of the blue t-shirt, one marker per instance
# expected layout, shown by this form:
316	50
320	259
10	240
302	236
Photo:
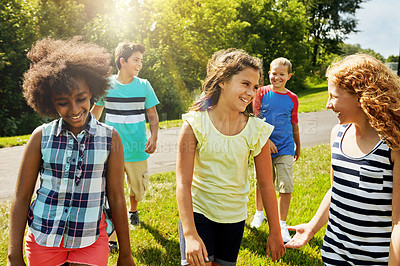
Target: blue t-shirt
125	106
281	111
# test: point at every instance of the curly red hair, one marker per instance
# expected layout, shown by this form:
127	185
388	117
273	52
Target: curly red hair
378	90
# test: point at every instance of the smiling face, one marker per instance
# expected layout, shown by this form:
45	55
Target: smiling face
278	76
74	107
133	65
238	92
344	104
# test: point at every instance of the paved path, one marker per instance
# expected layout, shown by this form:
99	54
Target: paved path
314	129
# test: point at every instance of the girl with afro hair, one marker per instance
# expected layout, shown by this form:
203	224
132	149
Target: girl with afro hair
79	162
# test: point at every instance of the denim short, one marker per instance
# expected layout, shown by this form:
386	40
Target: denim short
222	240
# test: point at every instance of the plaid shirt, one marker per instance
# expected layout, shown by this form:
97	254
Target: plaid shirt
69	202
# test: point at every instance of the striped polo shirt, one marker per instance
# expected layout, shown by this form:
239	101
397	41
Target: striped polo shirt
71	195
360	214
125	107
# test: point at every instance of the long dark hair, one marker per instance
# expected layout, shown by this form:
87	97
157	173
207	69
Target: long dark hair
220	68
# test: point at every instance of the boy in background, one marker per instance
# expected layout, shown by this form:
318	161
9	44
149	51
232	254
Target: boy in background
126	103
279	107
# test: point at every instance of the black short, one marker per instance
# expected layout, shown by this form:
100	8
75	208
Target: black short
222	240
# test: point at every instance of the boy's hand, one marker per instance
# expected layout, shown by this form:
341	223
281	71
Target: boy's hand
276	247
151	145
303	234
272	147
296	154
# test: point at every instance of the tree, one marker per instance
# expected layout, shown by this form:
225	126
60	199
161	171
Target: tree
60	18
18	30
329	23
348	49
275	29
392	59
182	37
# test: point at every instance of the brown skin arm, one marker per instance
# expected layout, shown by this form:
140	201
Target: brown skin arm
196	252
394	252
151	144
263	164
97	110
116	198
26	181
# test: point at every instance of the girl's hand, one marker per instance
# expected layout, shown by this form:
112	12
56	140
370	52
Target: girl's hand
17	261
272	147
126	260
196	252
303	234
276	247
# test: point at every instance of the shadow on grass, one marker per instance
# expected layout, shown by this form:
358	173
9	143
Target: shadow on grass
169	254
256	241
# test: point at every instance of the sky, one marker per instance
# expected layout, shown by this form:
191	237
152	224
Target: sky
379	26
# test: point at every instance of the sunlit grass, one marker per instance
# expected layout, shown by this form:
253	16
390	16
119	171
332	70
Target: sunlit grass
156	241
13	141
170	124
313	99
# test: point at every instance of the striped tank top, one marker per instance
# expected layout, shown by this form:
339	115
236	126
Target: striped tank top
360	213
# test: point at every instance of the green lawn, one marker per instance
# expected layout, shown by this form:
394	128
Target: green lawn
313	99
156	241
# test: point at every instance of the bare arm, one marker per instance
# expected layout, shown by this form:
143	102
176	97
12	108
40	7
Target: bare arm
196	252
151	144
263	164
97	110
116	198
394	252
296	138
304	232
27	176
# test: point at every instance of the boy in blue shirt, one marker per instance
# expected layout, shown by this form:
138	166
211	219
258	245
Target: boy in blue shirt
126	103
279	107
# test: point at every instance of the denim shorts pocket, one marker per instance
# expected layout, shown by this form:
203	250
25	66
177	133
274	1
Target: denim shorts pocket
371	178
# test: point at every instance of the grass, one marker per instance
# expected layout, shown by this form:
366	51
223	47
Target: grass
13	141
313	99
170	124
156	241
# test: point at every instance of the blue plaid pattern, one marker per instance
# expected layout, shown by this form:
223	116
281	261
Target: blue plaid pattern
71	196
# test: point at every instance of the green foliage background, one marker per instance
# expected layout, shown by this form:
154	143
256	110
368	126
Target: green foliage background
179	35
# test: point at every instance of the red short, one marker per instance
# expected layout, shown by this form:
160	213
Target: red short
95	254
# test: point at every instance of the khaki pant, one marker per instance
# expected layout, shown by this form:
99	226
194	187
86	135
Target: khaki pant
137	177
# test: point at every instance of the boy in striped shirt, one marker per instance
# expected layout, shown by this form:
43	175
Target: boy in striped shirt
127	102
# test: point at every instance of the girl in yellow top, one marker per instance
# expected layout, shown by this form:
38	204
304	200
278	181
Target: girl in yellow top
215	144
